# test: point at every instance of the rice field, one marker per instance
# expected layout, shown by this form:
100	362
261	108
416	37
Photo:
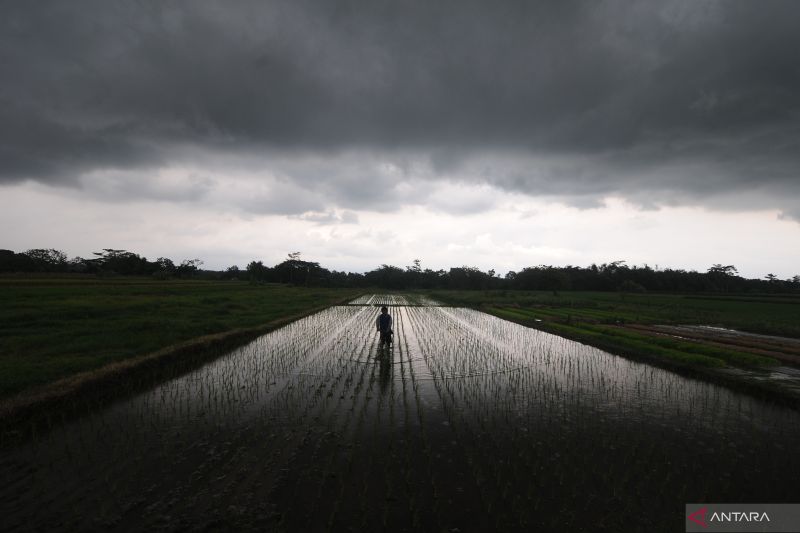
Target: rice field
466	423
394	299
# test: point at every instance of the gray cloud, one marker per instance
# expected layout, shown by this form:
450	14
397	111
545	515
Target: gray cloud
116	186
327	218
281	199
664	103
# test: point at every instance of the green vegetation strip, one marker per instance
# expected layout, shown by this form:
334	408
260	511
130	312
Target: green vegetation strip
733	357
615	337
628	345
53	329
765	314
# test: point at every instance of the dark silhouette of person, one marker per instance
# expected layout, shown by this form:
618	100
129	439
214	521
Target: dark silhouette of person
384	325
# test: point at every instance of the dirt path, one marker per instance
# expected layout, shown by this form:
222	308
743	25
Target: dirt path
783	349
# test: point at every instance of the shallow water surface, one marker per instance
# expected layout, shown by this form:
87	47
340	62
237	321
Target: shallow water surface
466	423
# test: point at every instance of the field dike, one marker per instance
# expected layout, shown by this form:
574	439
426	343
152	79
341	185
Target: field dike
465	423
75	395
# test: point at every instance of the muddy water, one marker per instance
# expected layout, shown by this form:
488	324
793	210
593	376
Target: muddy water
467	423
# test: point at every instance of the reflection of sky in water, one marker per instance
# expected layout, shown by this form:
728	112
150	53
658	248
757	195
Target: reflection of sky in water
480	378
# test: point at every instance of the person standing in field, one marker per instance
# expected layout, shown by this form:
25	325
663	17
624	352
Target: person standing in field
384	325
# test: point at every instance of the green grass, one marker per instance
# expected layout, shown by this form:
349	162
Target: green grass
766	314
729	356
592	317
52	328
632	345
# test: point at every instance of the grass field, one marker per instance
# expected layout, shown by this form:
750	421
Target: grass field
52	328
605	320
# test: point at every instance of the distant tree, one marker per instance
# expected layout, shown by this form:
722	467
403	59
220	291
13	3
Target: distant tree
47	259
14	262
555	280
165	264
613	266
188	268
774	283
163	268
256	271
292	264
414	276
123	262
232	272
727	270
110	253
467	277
721	276
387	276
79	265
297	272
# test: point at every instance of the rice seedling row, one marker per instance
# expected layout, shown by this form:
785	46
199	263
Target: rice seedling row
395	300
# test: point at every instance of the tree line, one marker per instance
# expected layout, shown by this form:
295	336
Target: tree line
109	261
613	276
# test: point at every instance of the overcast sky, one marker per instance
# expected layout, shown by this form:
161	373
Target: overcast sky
494	134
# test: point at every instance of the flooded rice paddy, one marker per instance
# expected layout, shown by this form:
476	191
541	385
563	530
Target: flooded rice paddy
467	423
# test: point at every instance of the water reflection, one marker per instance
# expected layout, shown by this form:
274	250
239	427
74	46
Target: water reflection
385	360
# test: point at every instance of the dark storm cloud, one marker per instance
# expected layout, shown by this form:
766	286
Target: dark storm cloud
659	101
